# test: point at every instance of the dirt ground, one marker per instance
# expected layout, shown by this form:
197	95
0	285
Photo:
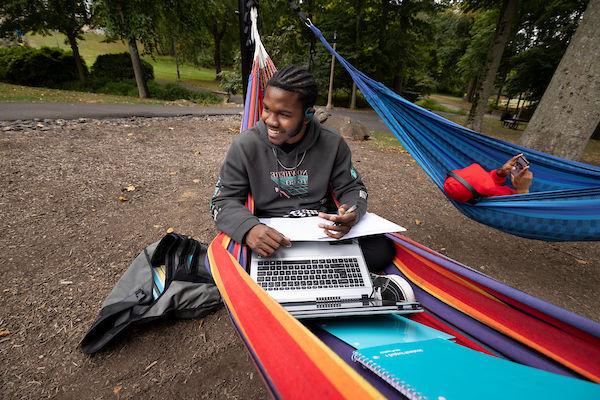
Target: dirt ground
67	238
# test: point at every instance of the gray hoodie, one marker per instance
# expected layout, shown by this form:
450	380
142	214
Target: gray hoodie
280	182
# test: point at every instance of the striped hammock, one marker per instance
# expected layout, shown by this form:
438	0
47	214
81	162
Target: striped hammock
303	361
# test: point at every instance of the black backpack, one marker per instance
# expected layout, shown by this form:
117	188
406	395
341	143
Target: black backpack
183	288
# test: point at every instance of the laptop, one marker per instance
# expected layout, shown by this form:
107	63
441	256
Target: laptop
323	279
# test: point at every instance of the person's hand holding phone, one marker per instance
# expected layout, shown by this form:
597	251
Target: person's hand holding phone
508	166
522	179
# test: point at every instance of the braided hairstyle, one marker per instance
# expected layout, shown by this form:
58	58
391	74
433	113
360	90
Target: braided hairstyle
298	80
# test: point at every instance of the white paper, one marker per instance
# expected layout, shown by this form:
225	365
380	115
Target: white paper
307	228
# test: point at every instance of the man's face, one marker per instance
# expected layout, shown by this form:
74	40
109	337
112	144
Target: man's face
284	116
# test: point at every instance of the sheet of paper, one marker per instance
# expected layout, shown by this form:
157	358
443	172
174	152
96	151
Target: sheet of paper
307	229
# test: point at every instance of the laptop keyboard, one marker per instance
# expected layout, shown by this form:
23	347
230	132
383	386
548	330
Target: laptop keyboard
309	274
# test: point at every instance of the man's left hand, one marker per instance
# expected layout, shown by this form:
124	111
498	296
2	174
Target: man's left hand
343	221
508	166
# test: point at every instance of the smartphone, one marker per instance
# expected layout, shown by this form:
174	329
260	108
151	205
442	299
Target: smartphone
520	163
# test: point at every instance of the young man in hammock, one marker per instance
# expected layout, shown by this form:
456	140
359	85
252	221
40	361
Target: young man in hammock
473	182
292	165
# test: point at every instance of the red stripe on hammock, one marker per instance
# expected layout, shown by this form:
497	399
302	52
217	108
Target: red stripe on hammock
573	352
526	309
292	372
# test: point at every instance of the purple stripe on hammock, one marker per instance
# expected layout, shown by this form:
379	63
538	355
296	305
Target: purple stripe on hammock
586	325
498	342
247	105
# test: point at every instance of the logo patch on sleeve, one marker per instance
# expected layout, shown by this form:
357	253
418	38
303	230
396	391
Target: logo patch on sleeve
362	194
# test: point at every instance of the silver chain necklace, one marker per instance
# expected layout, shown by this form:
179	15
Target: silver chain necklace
283	166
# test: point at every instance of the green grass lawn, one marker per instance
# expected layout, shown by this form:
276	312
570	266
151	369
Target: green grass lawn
89	48
164	66
14	93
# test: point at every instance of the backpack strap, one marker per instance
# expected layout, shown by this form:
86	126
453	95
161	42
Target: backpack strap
475	193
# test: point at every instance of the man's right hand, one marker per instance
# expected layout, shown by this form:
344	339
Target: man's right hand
522	180
265	240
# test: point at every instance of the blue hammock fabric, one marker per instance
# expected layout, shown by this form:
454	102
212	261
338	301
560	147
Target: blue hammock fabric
564	203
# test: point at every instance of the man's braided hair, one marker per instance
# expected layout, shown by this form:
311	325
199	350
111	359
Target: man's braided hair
298	80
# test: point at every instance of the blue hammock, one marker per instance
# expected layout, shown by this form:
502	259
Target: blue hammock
564	203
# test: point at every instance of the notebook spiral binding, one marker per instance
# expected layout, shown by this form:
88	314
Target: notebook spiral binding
396	383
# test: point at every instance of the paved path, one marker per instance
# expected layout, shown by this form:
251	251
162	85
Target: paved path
29	111
367	117
25	111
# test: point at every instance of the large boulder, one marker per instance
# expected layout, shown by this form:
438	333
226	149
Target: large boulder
321	115
354	130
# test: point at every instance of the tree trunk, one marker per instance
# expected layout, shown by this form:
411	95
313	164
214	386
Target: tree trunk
471	89
488	73
137	69
569	111
176	55
217	36
217	57
596	134
359	10
398	79
73	43
353	97
499	95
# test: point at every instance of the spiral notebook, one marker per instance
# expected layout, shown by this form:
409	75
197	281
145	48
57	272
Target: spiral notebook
439	369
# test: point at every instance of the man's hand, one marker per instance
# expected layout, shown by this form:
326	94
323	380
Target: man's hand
343	221
522	180
508	166
265	240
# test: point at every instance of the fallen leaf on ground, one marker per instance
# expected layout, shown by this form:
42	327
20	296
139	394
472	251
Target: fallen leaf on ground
117	390
170	230
196	180
123	199
130	188
173	173
418	222
65	282
157	226
582	262
4	332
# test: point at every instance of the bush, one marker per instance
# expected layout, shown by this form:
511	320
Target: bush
128	87
118	66
231	81
172	91
7	56
37	67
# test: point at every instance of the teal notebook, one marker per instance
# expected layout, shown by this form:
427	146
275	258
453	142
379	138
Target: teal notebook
379	330
438	369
